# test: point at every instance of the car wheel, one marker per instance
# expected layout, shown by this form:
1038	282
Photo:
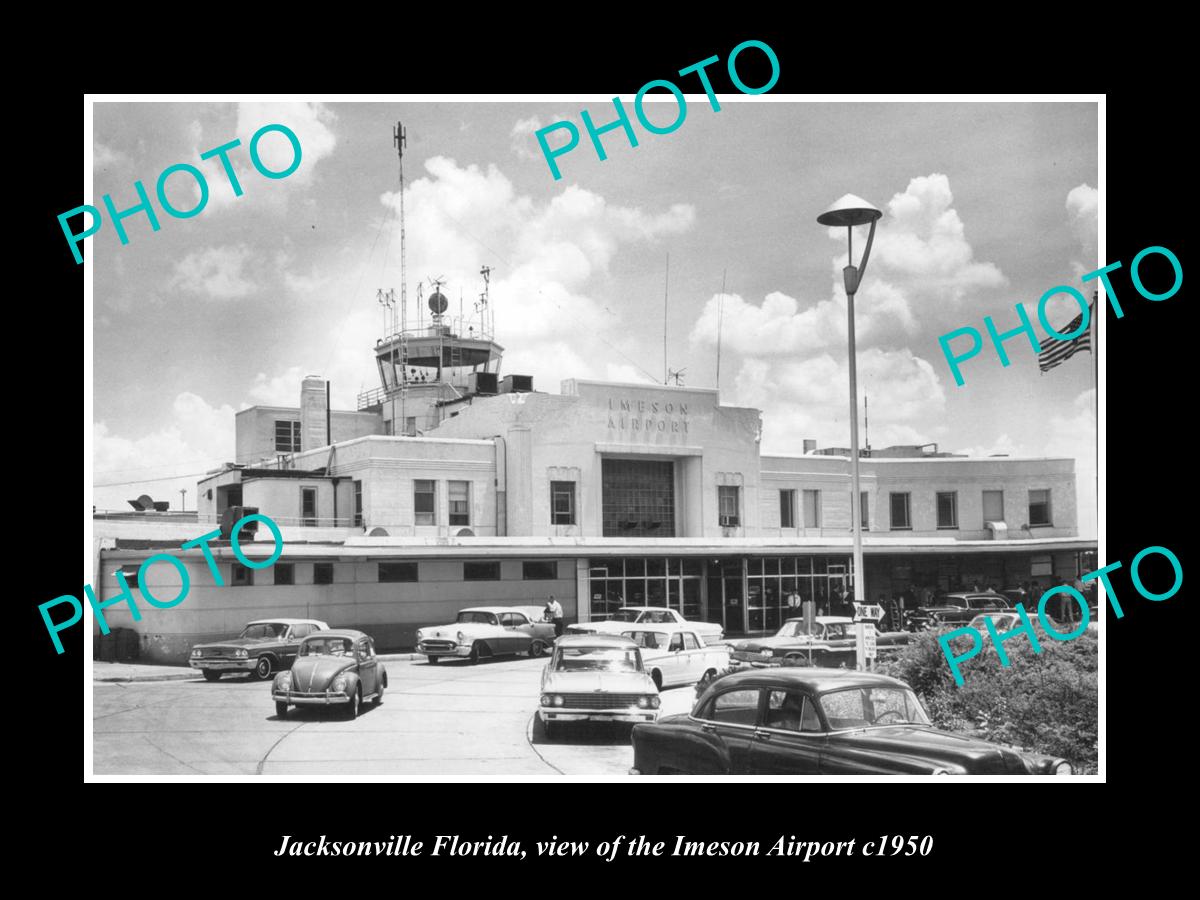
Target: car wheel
432	660
706	679
537	648
281	709
379	693
474	657
262	668
210	675
656	677
352	706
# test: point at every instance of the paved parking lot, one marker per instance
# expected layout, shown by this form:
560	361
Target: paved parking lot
442	721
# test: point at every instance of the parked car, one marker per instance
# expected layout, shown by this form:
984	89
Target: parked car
811	721
332	668
676	655
833	643
263	647
646	615
483	631
1008	620
599	678
954	609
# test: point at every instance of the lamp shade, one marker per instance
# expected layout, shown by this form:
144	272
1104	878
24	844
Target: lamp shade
850	210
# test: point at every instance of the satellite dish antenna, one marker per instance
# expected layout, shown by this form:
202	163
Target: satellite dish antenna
377	532
438	303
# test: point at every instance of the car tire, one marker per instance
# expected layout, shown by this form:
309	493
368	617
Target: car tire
537	648
210	675
281	709
262	669
379	693
432	660
705	680
355	701
473	658
656	677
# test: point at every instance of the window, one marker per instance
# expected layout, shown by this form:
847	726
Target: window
689	641
241	575
790	711
812	509
424	502
358	520
787	509
285	573
302	631
322	573
481	571
562	503
736	707
947	509
398	571
287	436
539	571
130	572
865	510
460	502
512	620
308	506
901	513
727	502
676	642
1039	508
993	506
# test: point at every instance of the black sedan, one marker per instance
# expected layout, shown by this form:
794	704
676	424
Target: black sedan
811	721
955	609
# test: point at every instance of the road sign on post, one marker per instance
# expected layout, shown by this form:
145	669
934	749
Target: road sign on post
864	644
810	622
867	612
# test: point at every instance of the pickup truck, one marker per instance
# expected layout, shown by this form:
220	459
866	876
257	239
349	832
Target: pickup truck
676	655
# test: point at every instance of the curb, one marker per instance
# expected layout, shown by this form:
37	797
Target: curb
171	676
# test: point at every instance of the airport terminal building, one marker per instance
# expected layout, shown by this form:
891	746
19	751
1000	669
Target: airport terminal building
453	486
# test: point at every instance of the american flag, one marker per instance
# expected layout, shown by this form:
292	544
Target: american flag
1052	351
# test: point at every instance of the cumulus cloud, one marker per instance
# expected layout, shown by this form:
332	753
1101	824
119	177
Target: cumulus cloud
104	156
282	389
1083	204
198	436
1074	435
215	272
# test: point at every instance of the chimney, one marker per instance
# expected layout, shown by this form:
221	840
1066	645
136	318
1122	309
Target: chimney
809	445
312	413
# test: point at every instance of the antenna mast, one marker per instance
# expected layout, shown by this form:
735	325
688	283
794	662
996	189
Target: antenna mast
400	139
666	285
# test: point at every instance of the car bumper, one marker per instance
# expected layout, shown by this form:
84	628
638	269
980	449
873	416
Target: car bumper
462	650
309	699
598	715
224	665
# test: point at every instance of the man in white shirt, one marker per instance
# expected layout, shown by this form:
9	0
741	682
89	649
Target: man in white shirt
554	613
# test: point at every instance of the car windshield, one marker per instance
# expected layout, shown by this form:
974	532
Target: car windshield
626	615
262	630
651	640
480	618
332	646
866	706
603	659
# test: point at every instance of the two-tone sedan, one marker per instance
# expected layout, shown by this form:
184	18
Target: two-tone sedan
263	647
596	678
811	721
332	668
647	615
831	643
484	631
954	609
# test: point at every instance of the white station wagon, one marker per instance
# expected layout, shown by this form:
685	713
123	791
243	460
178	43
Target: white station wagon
483	631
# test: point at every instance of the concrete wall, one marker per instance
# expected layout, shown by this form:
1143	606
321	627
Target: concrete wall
255	428
389	612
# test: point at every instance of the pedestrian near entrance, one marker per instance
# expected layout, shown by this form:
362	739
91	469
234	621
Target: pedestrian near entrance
554	613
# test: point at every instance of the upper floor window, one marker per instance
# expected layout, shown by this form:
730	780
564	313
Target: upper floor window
308	506
460	502
727	501
812	509
424	502
1039	508
947	509
901	512
287	436
358	508
787	509
562	503
865	509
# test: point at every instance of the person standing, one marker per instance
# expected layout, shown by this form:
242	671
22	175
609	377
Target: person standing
554	613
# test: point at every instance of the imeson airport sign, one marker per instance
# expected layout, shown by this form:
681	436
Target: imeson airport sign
647	415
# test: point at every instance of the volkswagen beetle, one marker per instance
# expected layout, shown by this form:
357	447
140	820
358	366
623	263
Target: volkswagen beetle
332	668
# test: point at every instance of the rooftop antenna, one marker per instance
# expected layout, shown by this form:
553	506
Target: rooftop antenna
720	316
676	375
666	284
486	272
400	139
867	421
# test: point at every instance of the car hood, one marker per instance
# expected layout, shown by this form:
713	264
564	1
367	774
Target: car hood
316	672
936	747
582	682
236	642
767	643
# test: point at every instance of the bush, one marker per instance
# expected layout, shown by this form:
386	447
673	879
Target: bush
1047	703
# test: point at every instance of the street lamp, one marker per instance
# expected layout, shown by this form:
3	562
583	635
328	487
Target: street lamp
850	211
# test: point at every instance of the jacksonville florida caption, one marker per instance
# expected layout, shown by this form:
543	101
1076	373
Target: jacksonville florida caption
401	845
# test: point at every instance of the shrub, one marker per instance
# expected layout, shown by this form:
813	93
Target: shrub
1047	703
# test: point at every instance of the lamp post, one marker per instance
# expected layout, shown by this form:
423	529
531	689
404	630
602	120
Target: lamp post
850	211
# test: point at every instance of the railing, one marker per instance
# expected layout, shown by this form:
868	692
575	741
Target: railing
211	519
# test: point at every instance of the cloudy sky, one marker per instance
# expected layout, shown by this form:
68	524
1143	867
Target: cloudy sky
985	206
